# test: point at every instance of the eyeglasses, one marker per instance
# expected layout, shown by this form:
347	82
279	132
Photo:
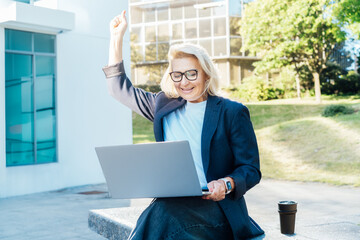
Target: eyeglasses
190	75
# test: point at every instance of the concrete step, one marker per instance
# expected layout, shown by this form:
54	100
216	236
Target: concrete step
114	223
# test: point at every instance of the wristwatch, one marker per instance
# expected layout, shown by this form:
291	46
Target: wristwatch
227	184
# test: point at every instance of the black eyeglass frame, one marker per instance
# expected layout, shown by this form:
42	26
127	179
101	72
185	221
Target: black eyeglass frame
184	74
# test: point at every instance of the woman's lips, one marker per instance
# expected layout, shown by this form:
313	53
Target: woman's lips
187	90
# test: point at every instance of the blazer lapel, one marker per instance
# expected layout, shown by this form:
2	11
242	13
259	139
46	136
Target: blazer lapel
211	118
167	108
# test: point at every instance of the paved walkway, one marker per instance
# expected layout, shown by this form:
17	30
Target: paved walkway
324	212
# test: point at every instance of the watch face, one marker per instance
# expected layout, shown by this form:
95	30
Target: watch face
228	185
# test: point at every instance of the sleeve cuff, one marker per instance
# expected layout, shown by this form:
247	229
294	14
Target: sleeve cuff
240	186
114	70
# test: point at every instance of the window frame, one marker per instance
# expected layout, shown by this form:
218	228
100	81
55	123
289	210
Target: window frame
33	55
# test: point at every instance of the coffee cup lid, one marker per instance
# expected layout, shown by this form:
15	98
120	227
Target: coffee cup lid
287	202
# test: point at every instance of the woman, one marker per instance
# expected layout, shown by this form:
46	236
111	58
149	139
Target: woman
221	138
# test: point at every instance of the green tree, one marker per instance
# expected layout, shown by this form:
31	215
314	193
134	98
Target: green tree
291	32
348	13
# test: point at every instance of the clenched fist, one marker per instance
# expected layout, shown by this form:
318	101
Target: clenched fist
117	31
118	26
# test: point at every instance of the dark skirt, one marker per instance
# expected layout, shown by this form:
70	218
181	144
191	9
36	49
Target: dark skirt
182	218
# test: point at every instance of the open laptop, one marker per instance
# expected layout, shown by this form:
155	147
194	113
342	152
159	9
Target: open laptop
162	169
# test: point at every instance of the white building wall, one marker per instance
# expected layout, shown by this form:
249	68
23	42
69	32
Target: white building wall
86	115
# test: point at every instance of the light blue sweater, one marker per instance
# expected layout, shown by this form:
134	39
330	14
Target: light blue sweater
186	123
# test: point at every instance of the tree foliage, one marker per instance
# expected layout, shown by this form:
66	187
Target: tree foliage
348	13
291	32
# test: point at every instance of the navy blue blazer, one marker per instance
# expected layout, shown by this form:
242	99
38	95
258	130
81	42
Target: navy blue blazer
228	142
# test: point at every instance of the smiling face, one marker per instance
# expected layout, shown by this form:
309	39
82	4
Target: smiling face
192	91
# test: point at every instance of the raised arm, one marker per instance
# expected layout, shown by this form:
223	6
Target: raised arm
118	27
120	87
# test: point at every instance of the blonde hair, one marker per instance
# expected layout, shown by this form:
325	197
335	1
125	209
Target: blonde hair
191	50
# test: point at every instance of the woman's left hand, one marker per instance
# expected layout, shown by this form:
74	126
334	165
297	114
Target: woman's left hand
217	189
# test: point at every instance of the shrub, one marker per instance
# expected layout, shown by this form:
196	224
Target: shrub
255	89
335	80
273	93
334	110
349	84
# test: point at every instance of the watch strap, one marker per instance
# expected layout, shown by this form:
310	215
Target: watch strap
227	185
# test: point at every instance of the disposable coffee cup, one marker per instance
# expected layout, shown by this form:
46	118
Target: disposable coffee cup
287	211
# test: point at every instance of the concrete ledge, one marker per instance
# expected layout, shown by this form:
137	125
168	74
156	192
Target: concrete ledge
324	212
28	17
114	223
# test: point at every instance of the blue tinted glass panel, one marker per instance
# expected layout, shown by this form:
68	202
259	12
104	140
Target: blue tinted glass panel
46	136
44	43
18	40
24	1
19	109
45	109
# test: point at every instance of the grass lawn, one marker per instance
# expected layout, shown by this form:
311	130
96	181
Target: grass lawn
142	129
296	142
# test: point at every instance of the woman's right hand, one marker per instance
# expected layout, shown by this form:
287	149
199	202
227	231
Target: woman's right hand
118	27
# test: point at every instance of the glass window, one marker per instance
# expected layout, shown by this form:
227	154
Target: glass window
190	29
149	15
177	31
23	1
176	13
17	67
176	42
219	11
153	73
45	128
136	35
18	40
190	11
234	26
163	49
150	52
19	109
136	53
205	12
219	27
136	15
26	1
44	43
163	14
163	32
220	47
235	47
191	41
30	101
205	28
207	45
150	34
